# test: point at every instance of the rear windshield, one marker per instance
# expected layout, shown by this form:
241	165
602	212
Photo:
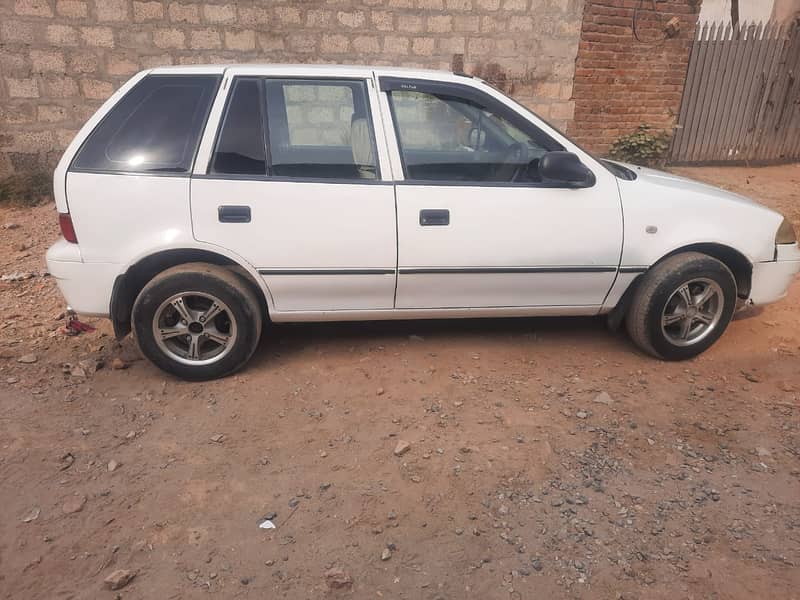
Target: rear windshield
156	127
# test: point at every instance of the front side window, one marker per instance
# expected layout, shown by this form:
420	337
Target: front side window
156	127
320	129
447	138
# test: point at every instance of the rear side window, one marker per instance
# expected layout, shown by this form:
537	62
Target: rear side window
241	145
156	127
320	129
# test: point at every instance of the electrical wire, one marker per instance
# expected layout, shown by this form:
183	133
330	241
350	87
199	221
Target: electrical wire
654	42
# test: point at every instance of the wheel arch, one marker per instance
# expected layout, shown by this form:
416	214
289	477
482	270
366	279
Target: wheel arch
738	263
128	284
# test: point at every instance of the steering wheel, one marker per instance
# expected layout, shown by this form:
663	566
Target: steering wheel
516	155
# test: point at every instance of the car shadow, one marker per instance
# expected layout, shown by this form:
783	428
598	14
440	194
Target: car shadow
287	339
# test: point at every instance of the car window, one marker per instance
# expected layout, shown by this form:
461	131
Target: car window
155	127
241	146
446	138
320	129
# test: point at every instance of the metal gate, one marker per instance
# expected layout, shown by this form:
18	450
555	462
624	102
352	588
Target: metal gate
741	101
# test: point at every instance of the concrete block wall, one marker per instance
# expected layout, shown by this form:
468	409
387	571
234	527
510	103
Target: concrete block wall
59	59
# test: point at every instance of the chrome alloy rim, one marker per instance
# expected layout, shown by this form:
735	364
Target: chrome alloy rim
692	312
194	328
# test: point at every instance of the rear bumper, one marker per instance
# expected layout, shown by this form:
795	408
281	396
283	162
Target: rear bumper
771	280
85	286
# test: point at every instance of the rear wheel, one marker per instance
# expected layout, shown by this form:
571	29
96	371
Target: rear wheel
197	321
683	306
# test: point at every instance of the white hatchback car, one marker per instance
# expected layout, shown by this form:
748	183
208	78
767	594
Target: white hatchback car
200	201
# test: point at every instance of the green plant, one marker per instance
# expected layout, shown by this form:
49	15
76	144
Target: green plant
26	189
642	147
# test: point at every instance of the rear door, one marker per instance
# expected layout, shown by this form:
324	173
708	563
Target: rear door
294	184
477	226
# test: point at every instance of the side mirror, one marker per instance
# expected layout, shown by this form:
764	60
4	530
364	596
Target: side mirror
565	168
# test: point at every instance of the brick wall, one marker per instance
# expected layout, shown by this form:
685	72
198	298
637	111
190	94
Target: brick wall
624	77
59	59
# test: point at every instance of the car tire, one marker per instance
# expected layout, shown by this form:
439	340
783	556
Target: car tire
682	306
171	328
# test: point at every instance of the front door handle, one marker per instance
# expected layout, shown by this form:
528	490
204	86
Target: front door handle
233	214
434	217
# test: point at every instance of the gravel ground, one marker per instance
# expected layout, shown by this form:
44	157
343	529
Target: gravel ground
517	458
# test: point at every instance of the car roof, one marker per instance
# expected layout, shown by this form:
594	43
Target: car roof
304	69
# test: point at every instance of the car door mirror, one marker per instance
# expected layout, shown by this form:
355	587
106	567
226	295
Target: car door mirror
565	169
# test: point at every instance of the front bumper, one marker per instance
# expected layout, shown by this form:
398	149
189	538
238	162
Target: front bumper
772	279
85	286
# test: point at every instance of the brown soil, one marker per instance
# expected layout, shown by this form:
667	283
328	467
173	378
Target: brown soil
523	480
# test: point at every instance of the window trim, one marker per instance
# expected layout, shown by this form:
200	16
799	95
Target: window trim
363	82
472	94
203	125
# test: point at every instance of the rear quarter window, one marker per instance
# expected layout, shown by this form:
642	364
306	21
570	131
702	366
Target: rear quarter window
155	127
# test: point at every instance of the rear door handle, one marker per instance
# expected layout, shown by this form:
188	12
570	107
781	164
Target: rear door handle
233	214
434	217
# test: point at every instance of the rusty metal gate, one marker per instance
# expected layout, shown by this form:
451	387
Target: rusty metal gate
741	102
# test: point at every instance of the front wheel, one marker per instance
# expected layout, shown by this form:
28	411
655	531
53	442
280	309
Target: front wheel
197	321
683	306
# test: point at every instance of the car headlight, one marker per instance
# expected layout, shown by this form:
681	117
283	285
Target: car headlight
786	234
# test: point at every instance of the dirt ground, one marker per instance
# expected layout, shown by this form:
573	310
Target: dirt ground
548	458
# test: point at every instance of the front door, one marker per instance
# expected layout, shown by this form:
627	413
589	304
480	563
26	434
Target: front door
294	186
477	225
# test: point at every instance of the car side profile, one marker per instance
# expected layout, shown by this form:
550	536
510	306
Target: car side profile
200	202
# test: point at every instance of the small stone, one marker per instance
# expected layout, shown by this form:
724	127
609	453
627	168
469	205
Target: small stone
217	439
130	435
582	414
270	516
337	579
392	515
459	531
293	502
27	359
73	505
536	564
401	448
119	579
380	392
10	226
416	478
112	466
386	554
12	380
118	364
78	371
244	581
603	398
32	515
763	451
